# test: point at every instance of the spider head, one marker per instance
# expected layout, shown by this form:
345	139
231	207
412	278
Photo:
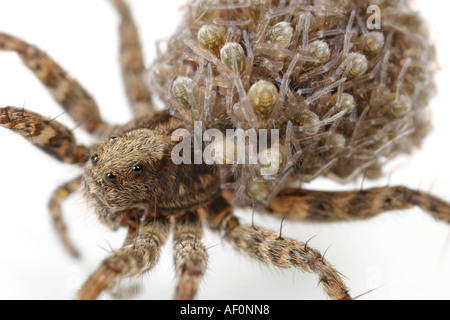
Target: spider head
125	173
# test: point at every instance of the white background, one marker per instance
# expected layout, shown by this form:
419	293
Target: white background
405	255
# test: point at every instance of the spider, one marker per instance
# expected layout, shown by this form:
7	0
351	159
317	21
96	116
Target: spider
276	232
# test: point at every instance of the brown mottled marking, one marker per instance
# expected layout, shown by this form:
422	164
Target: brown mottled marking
298	204
132	63
190	255
207	181
218	213
67	91
187	222
49	135
54	205
121	291
267	246
182	190
99	280
131	260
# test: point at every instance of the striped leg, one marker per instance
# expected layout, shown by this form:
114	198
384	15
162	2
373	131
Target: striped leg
132	64
58	197
117	289
68	92
268	247
298	204
48	135
189	255
132	260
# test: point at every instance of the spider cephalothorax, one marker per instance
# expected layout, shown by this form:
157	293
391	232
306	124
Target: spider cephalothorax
344	97
135	171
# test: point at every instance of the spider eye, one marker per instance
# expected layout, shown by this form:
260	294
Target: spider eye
94	159
112	138
110	179
137	170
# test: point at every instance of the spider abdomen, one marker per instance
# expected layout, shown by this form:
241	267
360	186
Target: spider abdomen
365	83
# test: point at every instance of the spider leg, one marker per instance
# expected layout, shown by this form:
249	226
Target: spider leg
131	260
132	63
268	247
66	90
54	205
47	134
298	204
116	288
121	291
190	255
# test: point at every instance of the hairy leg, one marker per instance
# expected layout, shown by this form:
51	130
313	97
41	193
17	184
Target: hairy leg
298	204
54	205
132	63
117	289
132	260
66	90
270	248
47	134
190	255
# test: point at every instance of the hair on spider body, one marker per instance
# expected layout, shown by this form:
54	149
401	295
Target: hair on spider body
344	121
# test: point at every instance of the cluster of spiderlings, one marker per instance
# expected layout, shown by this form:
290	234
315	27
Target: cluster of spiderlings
344	97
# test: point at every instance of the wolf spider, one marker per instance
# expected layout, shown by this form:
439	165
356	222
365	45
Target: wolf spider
152	228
